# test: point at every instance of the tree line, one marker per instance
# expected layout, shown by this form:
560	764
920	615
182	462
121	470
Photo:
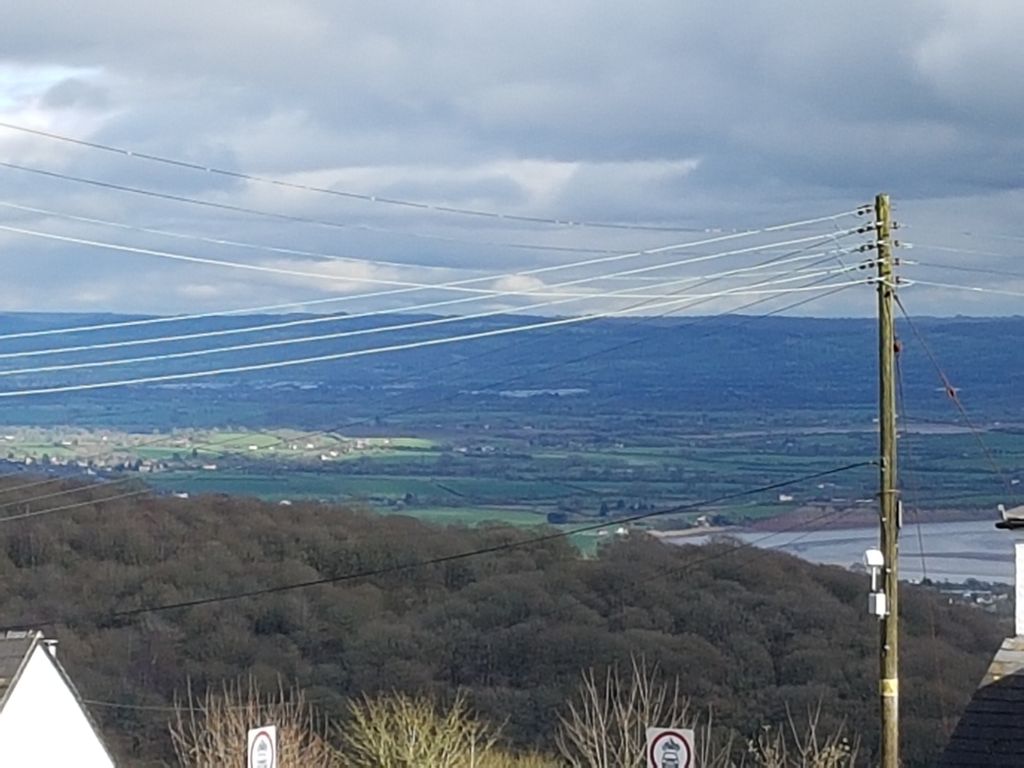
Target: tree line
751	636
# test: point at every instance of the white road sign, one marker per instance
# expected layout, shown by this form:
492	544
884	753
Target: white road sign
670	748
262	747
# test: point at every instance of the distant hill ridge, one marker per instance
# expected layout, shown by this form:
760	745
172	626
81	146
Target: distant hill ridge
706	364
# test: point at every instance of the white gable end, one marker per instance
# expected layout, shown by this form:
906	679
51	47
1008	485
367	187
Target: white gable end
42	723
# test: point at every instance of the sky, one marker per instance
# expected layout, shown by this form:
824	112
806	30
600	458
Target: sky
684	121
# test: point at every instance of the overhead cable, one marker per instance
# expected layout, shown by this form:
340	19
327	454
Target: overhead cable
220	241
954	395
741	272
278	364
78	505
294	218
164	356
371	198
335	299
961	287
457	284
584	356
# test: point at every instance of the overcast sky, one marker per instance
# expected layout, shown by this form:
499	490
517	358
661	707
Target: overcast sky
681	114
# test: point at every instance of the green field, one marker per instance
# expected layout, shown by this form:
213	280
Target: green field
577	476
470	515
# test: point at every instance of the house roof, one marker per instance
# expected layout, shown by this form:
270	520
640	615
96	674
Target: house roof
1012	519
989	732
16	648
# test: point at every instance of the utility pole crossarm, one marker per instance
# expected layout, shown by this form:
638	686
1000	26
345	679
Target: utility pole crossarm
888	494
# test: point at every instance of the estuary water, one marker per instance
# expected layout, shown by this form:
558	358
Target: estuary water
952	551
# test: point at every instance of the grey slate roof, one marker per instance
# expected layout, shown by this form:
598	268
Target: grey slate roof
991	730
15	649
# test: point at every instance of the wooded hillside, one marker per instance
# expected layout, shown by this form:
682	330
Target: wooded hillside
749	633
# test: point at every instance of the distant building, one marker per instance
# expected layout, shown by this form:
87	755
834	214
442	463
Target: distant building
991	731
43	720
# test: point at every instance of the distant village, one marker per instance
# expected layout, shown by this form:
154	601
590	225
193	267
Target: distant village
96	452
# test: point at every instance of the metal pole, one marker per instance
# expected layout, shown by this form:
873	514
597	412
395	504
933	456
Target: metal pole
889	689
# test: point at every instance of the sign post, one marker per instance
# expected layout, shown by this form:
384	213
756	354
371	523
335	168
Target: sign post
261	749
670	748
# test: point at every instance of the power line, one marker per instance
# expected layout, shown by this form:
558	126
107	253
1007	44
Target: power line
306	436
320	319
121	496
534	271
277	216
953	395
972	270
551	290
330	430
505	382
755	544
184	707
63	492
671	310
220	241
267	269
77	505
125	705
23	486
166	319
586	356
206	351
557	221
952	249
624	345
914	489
336	224
354	353
462	283
617	256
219	313
987	235
968	288
160	357
401	567
582	357
688	566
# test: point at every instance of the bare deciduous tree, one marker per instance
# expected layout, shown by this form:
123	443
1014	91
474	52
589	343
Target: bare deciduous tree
787	746
506	760
210	731
400	731
605	726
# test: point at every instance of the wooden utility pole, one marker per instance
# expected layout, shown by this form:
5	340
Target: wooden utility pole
889	507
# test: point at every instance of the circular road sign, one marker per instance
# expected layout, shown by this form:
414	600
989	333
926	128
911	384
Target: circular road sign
670	749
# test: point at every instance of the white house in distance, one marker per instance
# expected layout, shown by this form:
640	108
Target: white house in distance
43	720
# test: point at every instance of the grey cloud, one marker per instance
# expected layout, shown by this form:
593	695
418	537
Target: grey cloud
783	108
75	92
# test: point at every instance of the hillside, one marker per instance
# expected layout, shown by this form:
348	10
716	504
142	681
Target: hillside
749	633
714	365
